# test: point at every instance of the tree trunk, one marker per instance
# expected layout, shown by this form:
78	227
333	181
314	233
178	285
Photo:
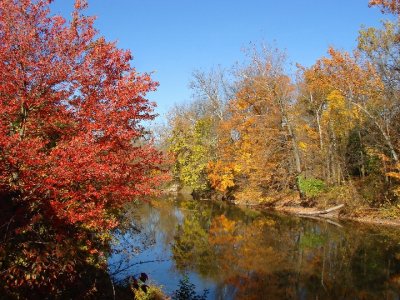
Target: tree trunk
385	135
362	162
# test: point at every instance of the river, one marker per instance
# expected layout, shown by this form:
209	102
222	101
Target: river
237	253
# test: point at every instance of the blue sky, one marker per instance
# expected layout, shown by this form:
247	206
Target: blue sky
175	37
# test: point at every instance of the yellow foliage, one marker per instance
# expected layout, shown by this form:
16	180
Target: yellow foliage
223	231
264	222
374	152
340	113
221	175
303	146
395	174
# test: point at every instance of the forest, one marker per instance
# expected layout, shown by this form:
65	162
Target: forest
261	133
77	155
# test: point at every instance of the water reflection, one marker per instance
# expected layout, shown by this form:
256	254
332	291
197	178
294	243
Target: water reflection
246	254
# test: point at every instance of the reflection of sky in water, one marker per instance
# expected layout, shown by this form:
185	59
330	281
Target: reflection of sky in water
299	258
157	257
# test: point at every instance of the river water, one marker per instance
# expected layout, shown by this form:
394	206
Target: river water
237	253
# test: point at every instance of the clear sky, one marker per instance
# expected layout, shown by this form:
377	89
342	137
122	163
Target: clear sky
175	37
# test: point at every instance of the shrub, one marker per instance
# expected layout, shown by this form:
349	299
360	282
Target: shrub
311	187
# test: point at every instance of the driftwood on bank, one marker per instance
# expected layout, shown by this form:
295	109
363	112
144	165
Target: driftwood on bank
321	212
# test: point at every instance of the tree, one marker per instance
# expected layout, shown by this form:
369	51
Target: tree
390	6
258	150
193	134
313	90
72	147
381	46
191	145
213	90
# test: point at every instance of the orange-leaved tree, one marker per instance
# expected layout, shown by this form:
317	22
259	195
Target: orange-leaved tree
257	144
345	100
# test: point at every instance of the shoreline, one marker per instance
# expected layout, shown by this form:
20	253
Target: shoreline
366	218
364	215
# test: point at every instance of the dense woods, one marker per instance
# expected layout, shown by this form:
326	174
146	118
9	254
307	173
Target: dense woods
259	133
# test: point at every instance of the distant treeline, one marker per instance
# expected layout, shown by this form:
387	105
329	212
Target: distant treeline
259	133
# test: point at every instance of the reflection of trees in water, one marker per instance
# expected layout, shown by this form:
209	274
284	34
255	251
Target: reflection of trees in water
280	257
140	228
187	291
252	255
191	249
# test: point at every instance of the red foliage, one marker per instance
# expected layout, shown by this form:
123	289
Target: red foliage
71	142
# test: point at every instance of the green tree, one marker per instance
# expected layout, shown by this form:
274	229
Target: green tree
192	147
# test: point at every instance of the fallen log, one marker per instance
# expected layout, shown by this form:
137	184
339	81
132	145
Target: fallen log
322	219
321	212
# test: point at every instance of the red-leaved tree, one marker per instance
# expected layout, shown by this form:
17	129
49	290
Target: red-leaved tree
72	144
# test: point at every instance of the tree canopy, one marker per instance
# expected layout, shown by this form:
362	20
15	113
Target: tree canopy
73	148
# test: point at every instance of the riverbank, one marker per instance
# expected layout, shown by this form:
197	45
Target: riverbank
377	216
385	216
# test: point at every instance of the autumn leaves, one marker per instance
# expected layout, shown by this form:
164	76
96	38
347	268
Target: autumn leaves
335	122
72	146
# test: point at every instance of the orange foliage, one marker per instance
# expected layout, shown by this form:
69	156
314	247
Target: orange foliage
391	6
254	142
221	175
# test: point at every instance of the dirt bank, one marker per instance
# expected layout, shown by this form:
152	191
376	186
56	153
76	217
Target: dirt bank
368	215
